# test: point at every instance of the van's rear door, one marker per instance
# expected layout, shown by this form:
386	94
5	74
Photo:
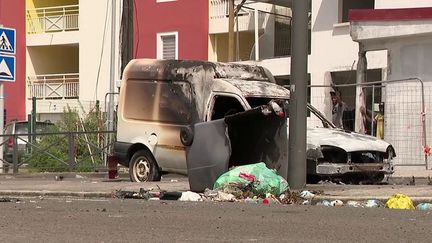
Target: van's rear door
244	138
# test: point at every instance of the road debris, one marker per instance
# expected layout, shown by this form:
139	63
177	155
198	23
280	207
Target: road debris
399	201
190	197
8	199
424	206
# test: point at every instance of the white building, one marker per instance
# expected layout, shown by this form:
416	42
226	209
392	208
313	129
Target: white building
68	54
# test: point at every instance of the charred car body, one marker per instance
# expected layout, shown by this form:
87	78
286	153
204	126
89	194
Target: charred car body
162	104
352	157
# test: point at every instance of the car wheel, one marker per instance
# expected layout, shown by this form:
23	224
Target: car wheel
143	167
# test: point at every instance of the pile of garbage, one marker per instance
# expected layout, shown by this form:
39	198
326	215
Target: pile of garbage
253	183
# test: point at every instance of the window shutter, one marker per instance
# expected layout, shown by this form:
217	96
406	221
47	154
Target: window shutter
169	47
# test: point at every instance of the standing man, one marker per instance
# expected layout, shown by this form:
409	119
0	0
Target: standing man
338	108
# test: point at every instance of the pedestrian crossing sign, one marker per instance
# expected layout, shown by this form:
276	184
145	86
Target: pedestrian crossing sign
7	40
7	68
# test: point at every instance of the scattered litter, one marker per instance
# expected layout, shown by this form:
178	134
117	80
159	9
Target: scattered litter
225	197
354	204
336	203
59	178
79	177
142	194
399	201
7	199
373	203
252	200
174	180
38	207
170	195
424	206
68	201
32	201
190	196
324	203
307	195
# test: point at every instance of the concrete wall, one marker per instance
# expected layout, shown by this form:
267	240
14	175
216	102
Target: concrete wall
410	57
12	15
95	48
53	60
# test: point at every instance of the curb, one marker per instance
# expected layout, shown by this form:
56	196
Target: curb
56	194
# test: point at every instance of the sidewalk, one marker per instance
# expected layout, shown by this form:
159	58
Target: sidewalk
92	186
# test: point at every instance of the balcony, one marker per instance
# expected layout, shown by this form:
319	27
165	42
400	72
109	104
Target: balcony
219	13
52	19
53	86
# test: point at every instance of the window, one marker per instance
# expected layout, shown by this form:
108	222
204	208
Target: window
162	101
167	45
346	5
224	106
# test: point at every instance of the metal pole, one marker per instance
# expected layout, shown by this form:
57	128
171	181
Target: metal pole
231	31
373	111
237	39
112	70
298	99
256	35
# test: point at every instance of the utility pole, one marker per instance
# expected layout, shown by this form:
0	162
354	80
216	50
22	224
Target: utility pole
110	120
298	97
231	31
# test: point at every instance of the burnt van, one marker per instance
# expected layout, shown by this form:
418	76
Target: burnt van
200	118
161	100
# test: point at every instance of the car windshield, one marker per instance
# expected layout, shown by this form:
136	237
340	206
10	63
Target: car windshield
22	128
326	123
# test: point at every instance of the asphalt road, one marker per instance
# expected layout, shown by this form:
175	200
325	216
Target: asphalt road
133	220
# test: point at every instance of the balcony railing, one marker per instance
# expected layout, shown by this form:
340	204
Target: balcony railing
52	19
54	86
220	9
219	14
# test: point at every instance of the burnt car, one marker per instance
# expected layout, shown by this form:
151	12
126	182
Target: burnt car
334	153
176	115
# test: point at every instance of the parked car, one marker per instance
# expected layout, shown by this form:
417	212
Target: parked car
162	102
20	128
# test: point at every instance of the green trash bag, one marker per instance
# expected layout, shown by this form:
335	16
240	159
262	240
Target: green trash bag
262	179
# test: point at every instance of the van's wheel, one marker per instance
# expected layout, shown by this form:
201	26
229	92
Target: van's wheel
143	167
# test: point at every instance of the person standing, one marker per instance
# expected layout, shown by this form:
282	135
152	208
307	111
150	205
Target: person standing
379	119
339	107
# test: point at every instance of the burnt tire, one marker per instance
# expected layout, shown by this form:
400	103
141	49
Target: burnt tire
186	136
143	167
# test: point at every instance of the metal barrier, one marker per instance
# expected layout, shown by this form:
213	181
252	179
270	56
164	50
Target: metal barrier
405	119
58	151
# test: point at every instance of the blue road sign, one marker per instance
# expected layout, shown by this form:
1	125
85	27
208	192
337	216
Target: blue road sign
7	40
7	68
